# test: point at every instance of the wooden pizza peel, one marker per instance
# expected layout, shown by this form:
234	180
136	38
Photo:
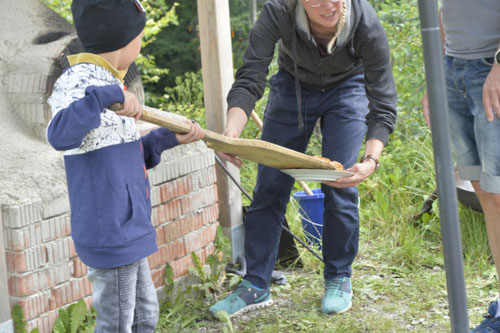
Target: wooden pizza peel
259	151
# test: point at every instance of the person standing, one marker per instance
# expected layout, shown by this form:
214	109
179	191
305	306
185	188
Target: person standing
106	160
471	39
334	66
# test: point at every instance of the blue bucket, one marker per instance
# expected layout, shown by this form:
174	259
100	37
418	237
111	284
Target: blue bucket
311	211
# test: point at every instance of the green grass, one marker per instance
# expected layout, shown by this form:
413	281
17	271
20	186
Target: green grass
399	280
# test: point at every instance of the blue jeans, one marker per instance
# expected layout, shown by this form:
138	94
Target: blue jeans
475	139
342	111
125	298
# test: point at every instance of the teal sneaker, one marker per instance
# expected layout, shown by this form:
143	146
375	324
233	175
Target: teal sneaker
338	296
245	298
490	324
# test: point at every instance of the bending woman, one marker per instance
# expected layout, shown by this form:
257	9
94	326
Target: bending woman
334	66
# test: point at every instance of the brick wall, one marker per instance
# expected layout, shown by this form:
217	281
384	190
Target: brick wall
44	272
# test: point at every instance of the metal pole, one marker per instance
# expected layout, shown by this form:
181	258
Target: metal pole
450	227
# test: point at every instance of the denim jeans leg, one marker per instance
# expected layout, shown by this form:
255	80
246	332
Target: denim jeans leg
146	305
343	128
263	223
125	298
475	139
461	119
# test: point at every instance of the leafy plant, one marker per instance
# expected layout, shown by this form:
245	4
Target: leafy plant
76	318
211	283
18	319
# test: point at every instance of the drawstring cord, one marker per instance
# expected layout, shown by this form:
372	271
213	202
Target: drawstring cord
298	93
250	198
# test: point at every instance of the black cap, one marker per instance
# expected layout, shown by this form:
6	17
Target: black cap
107	25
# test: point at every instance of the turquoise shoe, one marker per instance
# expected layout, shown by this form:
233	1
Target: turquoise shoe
338	296
245	298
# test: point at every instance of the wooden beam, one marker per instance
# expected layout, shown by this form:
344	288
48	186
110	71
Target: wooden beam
217	70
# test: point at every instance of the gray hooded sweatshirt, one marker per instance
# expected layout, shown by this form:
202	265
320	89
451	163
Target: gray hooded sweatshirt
361	47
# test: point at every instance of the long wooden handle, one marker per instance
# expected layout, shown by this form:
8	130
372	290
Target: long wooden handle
258	122
170	123
259	151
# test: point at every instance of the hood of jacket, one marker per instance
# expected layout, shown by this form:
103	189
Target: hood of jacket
346	33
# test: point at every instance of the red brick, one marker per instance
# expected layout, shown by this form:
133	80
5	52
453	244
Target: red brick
160	214
194	241
21	285
76	292
163	193
35	305
184	225
52	318
72	251
69	292
154	260
18	239
79	269
155	221
16	262
168	191
197	220
172	232
57	297
157	276
160	235
173	209
42	323
187	185
66	226
200	239
52	301
81	285
43	254
181	267
186	205
87	286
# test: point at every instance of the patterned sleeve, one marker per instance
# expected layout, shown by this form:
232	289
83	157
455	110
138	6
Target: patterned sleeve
76	108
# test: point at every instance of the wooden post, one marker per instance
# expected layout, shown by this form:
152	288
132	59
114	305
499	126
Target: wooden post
5	317
217	70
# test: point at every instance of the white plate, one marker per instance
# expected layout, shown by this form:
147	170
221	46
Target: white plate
316	175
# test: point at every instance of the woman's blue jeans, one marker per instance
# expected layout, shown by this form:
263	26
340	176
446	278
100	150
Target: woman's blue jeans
342	111
125	298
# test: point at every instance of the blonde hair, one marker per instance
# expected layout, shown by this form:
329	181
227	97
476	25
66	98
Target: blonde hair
340	25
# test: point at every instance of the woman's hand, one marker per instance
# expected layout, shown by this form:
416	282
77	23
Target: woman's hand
195	133
236	120
131	106
360	171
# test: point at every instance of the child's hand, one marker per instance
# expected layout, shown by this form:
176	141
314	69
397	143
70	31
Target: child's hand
195	133
131	107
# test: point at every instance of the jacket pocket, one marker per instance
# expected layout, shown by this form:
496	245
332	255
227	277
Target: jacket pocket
139	223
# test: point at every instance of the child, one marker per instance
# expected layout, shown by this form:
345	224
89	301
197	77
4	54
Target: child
106	162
